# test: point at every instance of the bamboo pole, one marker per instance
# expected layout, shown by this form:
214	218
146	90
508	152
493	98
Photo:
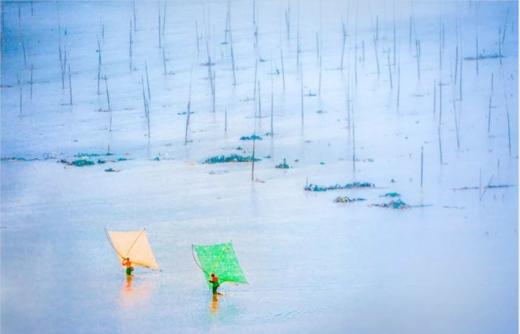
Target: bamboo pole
301	96
70	87
489	114
476	53
165	71
197	38
135	16
254	12
164	21
317	46
146	110
159	27
319	78
509	134
259	101
130	45
253	162
434	96
99	67
355	63
147	80
377	56
395	43
456	64
439	125
108	103
353	141
456	122
363	51
389	70
225	120
460	75
288	20
343	40
283	68
24	53
188	112
31	82
255	80
21	95
398	84
418	56
232	58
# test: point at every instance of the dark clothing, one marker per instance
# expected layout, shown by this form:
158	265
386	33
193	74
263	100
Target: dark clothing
214	283
129	270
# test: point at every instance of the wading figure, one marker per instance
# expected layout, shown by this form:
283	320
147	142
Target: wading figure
128	264
214	282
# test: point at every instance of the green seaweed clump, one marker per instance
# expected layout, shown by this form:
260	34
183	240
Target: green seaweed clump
230	158
283	165
353	185
346	199
78	162
252	137
392	194
394	204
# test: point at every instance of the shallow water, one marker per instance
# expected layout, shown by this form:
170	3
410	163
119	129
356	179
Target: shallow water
313	265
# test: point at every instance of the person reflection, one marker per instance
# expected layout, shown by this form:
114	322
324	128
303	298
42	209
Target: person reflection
214	304
128	285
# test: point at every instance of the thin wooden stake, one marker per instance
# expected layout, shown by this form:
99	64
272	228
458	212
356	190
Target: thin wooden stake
232	59
21	95
147	81
108	104
130	45
344	39
159	27
135	16
509	134
418	56
31	82
70	87
434	96
99	68
165	71
283	68
301	96
188	112
439	125
225	120
489	114
389	70
253	162
476	53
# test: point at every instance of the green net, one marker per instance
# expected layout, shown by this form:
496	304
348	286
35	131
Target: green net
221	260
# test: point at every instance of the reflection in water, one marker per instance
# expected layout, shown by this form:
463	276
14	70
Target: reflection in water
214	304
134	294
129	279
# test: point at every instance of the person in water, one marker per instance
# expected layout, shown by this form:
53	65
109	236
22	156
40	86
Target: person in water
128	264
214	283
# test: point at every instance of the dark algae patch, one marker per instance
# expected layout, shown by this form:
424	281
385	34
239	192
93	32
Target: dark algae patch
283	165
346	199
353	185
229	158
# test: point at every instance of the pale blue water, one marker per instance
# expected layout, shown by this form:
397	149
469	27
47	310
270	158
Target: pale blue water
312	265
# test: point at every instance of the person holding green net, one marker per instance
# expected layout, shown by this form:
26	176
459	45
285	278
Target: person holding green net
214	283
